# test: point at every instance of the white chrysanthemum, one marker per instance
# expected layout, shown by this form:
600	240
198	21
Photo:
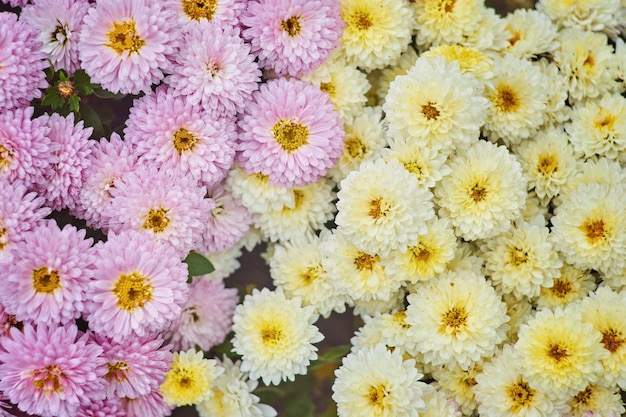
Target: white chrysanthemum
518	101
274	336
530	33
394	331
445	112
484	192
439	405
445	21
381	207
471	60
425	163
312	207
522	260
297	268
456	318
596	400
615	279
557	111
374	306
619	60
573	284
606	311
589	227
377	382
487	35
519	311
598	127
255	192
365	138
585	58
427	256
345	85
232	395
560	354
548	161
457	383
465	259
598	170
376	32
502	391
368	335
225	262
590	15
388	74
535	212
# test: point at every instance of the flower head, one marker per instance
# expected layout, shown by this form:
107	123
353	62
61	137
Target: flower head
222	12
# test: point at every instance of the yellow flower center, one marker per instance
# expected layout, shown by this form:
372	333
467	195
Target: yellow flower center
184	140
48	379
521	394
5	157
605	120
557	352
272	335
517	256
376	395
378	208
420	253
505	99
547	164
584	396
199	9
291	26
117	371
448	5
430	111
515	37
561	287
132	291
3	237
46	280
400	318
328	88
414	167
612	339
156	220
365	261
290	135
123	38
453	320
311	274
594	230
65	89
355	147
477	192
589	61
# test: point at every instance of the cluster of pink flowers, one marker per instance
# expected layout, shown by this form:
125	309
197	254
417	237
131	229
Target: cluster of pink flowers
88	328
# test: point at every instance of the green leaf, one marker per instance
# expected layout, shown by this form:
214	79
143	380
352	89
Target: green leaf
91	119
299	405
331	355
82	83
198	265
63	76
73	102
102	93
52	99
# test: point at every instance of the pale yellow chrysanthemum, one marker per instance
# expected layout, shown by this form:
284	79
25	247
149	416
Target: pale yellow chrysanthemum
590	15
596	170
589	227
388	329
382	208
502	390
232	395
297	268
572	285
548	161
557	110
255	192
535	212
606	311
274	336
427	256
615	279
560	353
426	164
445	21
345	84
190	378
518	101
529	33
585	59
312	207
522	260
456	318
388	74
598	127
368	335
484	193
439	405
466	259
376	32
471	60
458	383
519	311
366	136
486	36
619	61
443	113
225	262
374	306
596	400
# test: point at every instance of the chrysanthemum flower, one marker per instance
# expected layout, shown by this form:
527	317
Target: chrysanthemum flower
439	405
190	379
109	407
369	334
21	64
560	353
457	383
456	318
376	32
601	171
51	371
372	306
519	311
445	21
375	381
466	258
58	23
135	366
444	113
596	400
557	111
214	68
15	3
176	211
291	133
598	127
425	163
255	191
175	135
151	405
62	184
26	152
275	336
135	292
382	79
47	274
486	34
571	285
125	45
471	60
222	12
382	207
292	36
225	262
207	316
484	192
589	15
530	33
232	395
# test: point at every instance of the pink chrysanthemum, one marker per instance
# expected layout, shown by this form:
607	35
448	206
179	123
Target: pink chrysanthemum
109	407
222	12
164	206
291	133
15	3
228	224
214	68
207	316
58	23
51	371
20	211
7	322
26	152
135	292
62	183
48	274
292	36
125	45
177	136
136	365
108	163
5	406
151	405
21	63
